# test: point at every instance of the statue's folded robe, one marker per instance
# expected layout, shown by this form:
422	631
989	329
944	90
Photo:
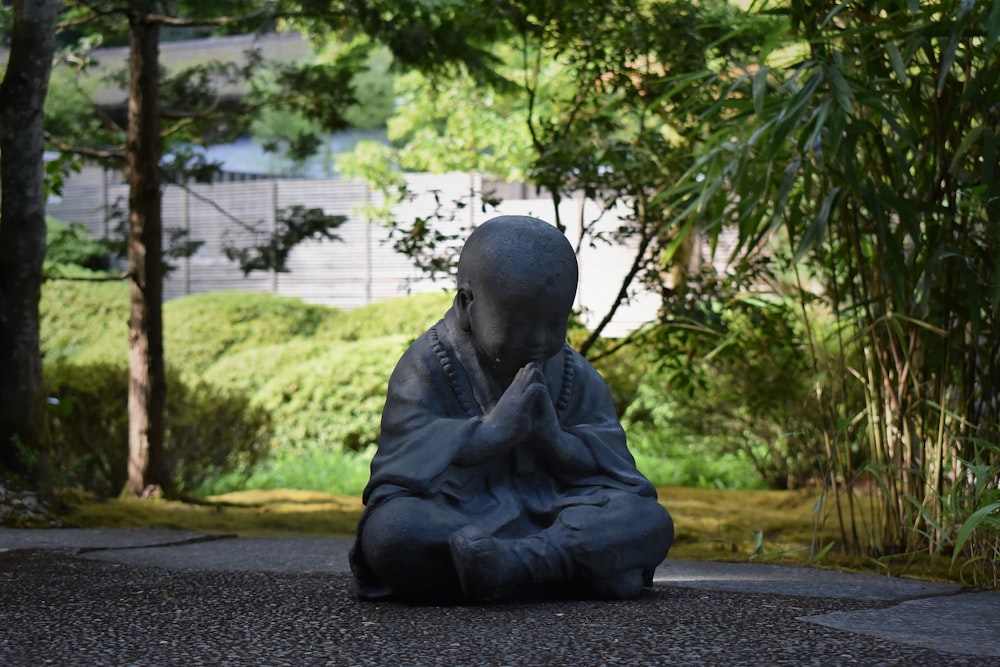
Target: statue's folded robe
435	395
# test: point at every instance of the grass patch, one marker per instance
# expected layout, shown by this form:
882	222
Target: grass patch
308	468
680	467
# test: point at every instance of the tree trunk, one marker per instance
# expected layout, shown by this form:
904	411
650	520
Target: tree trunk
23	429
147	381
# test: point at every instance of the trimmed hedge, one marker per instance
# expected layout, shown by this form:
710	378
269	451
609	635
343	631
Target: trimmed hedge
84	322
210	431
200	329
406	316
253	376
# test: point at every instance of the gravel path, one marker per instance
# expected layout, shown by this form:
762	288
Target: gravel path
59	609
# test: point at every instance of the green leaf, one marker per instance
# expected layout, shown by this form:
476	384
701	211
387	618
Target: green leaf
970	525
995	296
841	90
947	60
926	513
791	114
788	180
822	552
896	60
816	231
840	6
950	49
759	89
959	158
993	27
990	160
682	234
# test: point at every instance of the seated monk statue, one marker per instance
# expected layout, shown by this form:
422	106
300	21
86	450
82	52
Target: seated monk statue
502	468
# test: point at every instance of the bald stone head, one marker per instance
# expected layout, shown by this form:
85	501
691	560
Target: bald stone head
517	279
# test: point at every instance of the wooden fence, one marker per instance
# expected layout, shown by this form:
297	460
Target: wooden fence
362	267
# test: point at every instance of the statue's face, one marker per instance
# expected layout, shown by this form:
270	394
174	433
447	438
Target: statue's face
512	329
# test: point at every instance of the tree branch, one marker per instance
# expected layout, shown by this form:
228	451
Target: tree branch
88	279
117	153
637	264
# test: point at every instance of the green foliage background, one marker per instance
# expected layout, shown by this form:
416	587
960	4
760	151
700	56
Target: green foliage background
310	380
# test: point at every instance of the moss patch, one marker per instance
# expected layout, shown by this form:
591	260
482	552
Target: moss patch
247	513
711	524
735	525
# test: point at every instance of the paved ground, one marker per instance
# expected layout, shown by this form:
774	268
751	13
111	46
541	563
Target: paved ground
157	597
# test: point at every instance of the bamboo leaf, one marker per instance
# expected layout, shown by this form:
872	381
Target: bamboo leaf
758	541
832	14
788	180
947	60
964	8
822	552
970	525
990	159
791	115
951	48
813	141
914	321
759	89
816	231
896	60
995	296
963	149
682	234
925	513
841	90
993	27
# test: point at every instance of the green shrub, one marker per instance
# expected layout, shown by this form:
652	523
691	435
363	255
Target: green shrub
84	322
623	371
251	368
670	452
209	431
333	400
213	431
326	401
737	371
406	316
202	328
71	245
298	390
89	425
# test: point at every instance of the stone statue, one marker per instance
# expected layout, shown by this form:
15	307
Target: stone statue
502	467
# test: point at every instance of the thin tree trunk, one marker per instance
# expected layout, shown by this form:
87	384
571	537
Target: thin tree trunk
23	432
147	381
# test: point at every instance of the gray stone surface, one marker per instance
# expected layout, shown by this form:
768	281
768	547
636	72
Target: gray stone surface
967	623
94	538
98	597
258	554
797	581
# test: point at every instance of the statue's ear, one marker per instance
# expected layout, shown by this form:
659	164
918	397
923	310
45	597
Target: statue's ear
463	299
